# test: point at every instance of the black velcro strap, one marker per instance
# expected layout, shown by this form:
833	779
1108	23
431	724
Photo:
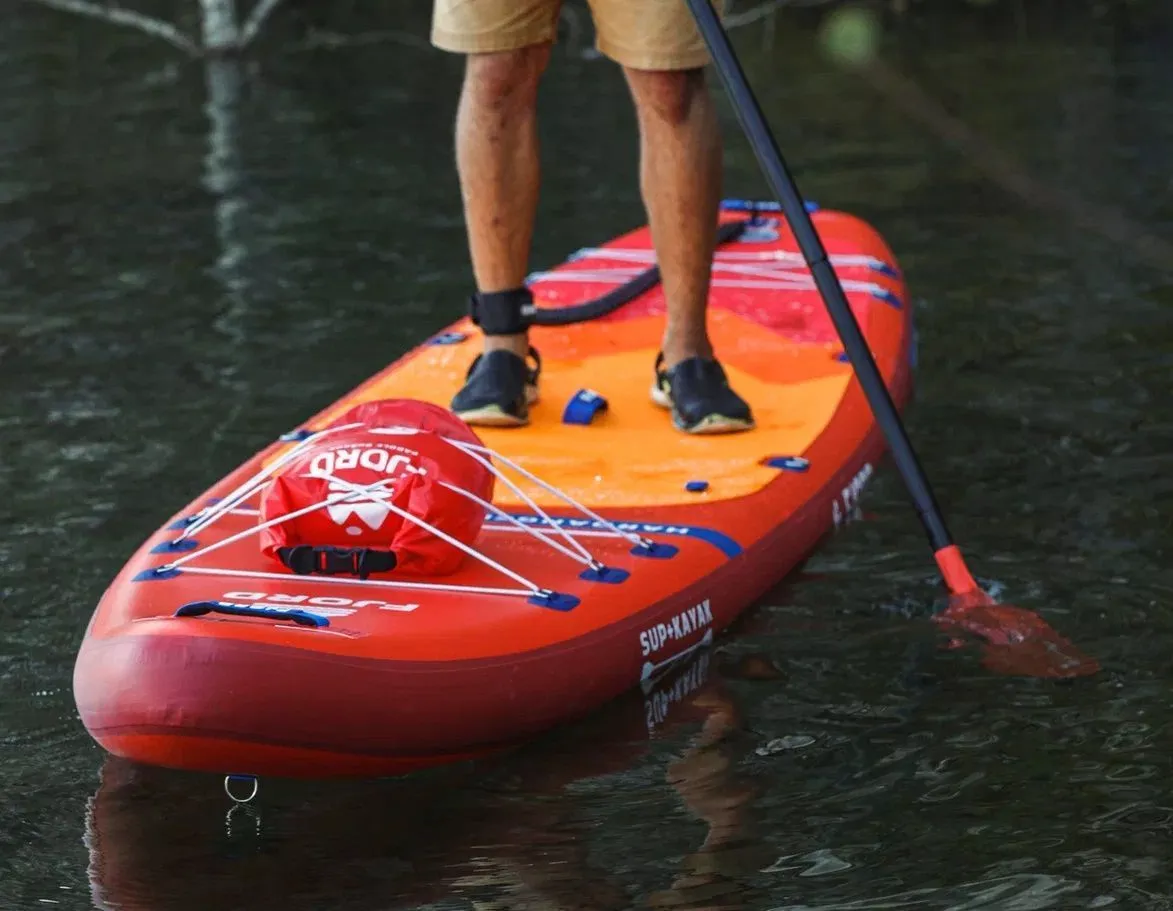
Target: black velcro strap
306	560
503	312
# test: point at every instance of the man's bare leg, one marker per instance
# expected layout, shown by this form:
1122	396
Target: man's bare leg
680	180
498	165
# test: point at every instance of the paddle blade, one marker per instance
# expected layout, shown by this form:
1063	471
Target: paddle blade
1016	642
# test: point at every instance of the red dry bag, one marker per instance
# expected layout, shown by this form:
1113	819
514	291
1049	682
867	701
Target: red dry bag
401	450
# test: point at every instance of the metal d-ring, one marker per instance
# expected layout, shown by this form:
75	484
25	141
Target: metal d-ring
228	779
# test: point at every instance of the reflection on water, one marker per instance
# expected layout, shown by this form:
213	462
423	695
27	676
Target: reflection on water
194	256
512	833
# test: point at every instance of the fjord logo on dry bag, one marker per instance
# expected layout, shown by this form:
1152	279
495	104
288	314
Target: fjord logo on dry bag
341	463
378	485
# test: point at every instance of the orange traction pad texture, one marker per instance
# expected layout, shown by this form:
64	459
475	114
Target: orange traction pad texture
776	343
631	455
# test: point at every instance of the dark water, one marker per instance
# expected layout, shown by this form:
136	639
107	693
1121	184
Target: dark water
180	281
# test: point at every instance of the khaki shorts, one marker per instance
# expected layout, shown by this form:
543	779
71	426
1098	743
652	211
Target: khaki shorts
640	34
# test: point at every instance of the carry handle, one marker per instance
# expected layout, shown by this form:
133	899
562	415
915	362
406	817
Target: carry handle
300	617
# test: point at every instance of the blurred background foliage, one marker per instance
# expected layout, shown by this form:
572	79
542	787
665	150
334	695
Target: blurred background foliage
850	31
885	52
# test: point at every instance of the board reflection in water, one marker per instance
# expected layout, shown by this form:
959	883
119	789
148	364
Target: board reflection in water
509	832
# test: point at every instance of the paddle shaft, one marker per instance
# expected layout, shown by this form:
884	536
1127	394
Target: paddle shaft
784	187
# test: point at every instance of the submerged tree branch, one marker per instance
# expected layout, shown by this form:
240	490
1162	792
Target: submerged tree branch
118	15
218	18
218	21
256	19
321	40
734	20
1002	168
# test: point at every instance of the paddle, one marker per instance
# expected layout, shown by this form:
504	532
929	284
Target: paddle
1017	641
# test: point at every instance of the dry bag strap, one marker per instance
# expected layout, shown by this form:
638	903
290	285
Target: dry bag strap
306	560
503	312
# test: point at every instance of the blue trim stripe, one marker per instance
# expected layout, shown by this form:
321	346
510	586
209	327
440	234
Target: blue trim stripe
888	298
717	539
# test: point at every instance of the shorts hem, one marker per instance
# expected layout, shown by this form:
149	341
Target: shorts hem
633	59
487	44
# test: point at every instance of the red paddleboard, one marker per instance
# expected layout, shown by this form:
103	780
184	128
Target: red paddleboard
608	545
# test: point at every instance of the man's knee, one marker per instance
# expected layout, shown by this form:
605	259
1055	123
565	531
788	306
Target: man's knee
506	78
667	95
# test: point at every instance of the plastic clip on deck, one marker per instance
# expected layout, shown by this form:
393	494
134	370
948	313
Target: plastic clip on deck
307	560
583	406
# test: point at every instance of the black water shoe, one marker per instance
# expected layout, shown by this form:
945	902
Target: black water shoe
699	395
498	390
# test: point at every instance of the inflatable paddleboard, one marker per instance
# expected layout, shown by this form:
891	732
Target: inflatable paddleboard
603	546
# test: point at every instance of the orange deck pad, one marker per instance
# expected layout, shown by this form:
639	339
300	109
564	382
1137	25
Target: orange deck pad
632	455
